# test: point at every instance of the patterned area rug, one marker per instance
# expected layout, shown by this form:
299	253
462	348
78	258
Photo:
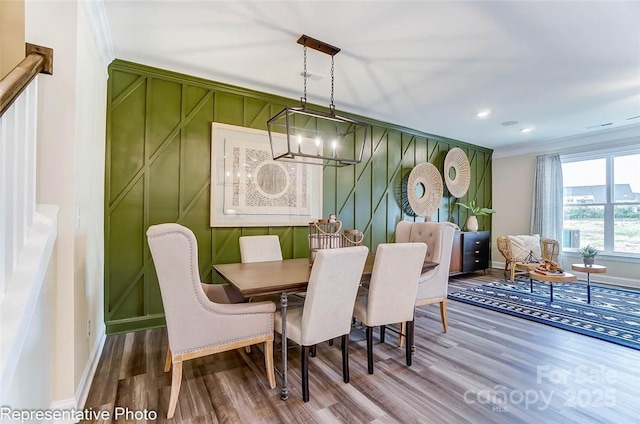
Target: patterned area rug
613	314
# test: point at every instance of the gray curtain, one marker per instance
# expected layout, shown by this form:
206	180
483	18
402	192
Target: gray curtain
546	207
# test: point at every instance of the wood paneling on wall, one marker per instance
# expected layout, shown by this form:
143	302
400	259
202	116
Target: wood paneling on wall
158	170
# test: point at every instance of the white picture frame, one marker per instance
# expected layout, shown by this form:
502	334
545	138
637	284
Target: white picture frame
250	189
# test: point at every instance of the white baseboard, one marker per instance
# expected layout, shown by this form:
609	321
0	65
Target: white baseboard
77	402
89	371
62	405
595	278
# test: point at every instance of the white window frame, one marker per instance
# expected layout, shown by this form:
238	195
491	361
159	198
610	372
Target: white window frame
609	205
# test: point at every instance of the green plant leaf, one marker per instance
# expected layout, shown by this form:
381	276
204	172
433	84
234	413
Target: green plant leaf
475	210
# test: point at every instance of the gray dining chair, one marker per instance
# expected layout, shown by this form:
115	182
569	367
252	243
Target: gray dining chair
328	306
197	326
391	296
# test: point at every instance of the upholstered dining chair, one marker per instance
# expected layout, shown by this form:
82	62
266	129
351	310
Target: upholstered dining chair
196	325
222	293
391	296
328	306
433	284
260	248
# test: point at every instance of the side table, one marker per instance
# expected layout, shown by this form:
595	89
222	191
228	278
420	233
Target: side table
589	269
565	277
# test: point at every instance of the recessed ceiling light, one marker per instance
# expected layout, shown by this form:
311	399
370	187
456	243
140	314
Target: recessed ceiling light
509	123
483	114
526	130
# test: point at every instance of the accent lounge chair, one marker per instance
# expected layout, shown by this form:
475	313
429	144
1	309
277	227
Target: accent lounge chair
522	253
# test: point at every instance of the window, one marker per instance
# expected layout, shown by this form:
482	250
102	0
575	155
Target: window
602	202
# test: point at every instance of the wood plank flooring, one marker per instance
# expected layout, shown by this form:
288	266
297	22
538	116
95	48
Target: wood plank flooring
489	368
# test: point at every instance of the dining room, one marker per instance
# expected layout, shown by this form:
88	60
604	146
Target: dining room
125	141
201	175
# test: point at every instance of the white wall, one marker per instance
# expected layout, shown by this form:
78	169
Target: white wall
512	192
71	150
513	173
53	24
91	92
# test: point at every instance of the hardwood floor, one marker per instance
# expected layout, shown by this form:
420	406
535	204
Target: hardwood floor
489	368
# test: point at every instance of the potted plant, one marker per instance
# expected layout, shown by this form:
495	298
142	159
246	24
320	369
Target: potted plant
475	210
588	253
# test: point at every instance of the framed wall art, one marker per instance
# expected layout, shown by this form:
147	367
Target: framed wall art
250	189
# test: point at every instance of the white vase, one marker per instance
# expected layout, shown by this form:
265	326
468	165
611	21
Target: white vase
472	223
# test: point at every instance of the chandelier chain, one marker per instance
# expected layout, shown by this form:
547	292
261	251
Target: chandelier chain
332	106
304	76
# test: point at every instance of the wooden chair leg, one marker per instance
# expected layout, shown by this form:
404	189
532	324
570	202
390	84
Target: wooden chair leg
409	342
304	372
167	362
345	358
443	315
370	350
176	379
268	363
513	272
247	349
382	333
401	335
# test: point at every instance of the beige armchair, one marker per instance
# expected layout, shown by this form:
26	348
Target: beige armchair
196	325
433	284
328	306
391	296
522	253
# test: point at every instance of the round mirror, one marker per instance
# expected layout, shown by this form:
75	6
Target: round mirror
420	190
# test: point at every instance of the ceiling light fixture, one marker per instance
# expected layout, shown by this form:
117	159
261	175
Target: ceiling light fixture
526	130
483	114
304	135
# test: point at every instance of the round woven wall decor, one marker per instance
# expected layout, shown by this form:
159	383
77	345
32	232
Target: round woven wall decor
459	183
424	189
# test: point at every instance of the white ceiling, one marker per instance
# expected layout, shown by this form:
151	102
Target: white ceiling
561	68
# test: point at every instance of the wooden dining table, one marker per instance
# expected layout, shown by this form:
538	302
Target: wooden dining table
281	277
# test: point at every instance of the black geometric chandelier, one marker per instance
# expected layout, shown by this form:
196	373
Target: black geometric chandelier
304	135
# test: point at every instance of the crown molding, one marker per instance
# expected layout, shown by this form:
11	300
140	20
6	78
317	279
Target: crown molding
99	23
604	139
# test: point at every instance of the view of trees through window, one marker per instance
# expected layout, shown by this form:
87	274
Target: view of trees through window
602	202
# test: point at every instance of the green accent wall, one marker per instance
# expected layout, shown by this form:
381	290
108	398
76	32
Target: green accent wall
158	170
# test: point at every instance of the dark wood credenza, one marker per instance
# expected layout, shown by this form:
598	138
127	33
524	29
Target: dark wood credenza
470	252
